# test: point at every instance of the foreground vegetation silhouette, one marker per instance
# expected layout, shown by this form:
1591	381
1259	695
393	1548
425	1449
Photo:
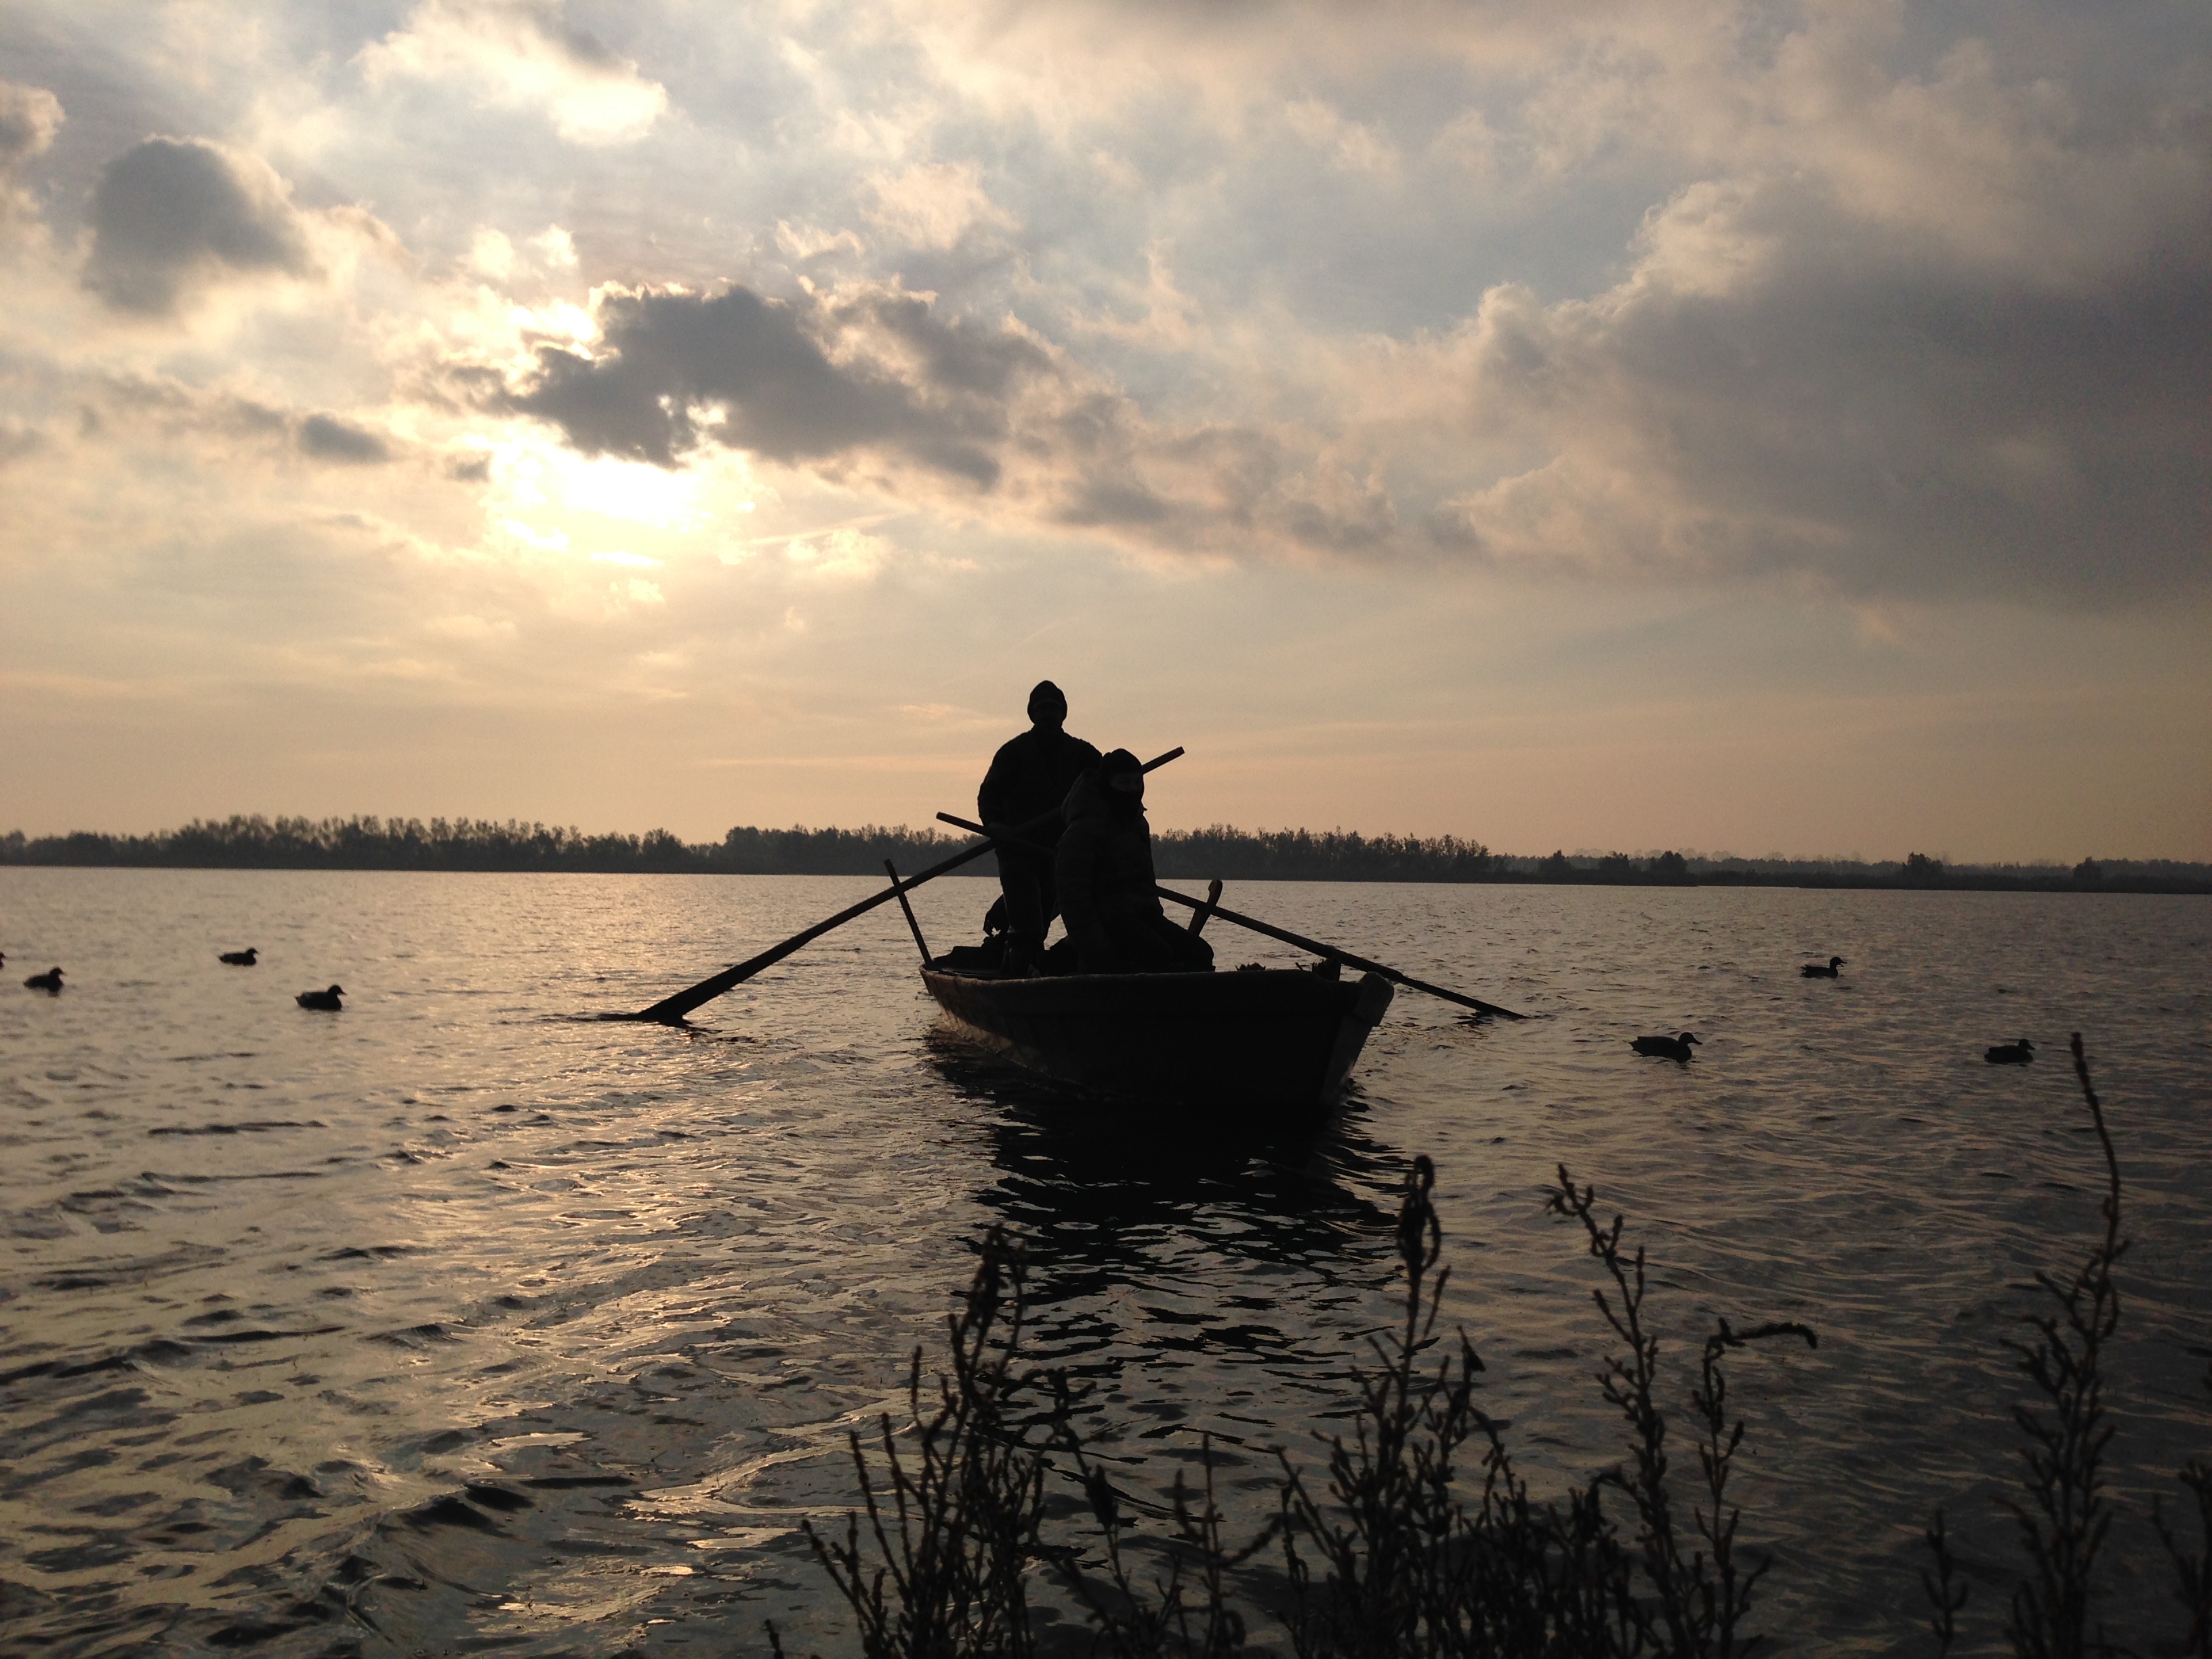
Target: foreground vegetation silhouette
2062	1511
1418	1537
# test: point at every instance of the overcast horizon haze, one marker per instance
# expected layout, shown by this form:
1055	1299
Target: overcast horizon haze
1753	427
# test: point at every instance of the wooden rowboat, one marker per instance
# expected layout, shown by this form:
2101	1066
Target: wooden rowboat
1274	1040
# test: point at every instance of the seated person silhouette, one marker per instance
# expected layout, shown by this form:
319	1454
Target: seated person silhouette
1104	873
1029	776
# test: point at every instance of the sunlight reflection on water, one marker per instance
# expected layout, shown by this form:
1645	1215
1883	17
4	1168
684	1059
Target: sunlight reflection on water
458	1317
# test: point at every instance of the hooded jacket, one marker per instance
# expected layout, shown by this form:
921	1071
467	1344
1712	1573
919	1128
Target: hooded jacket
1103	867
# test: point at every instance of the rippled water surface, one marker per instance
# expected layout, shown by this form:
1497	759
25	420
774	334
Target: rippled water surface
456	1321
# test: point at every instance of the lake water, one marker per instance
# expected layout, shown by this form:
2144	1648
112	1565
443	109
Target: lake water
278	1288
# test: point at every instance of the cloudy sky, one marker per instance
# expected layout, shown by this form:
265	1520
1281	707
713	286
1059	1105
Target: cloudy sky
1748	428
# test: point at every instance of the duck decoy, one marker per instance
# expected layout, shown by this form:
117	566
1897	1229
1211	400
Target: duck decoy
325	999
240	958
51	980
1665	1048
2010	1053
1814	970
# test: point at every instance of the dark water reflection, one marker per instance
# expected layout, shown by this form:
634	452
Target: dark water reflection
463	1320
1152	1247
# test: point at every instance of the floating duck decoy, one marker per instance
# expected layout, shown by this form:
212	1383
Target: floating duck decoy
240	958
1665	1048
49	980
1814	970
325	999
2010	1053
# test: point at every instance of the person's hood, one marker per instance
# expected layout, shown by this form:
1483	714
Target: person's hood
1089	797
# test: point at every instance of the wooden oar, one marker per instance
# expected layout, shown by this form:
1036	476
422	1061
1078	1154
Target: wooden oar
913	927
1336	953
1212	897
669	1011
1339	954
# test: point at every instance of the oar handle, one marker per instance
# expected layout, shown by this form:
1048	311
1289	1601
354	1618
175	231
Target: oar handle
1012	838
1211	906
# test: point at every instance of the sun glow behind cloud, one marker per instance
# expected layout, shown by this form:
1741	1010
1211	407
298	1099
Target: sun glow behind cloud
561	482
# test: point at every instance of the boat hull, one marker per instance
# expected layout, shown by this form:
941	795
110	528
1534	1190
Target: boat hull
1274	1041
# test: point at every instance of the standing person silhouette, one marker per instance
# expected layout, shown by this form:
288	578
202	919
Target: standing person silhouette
1032	775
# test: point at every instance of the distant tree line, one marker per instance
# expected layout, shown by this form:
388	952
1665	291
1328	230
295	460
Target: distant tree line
370	843
1332	855
1915	870
373	843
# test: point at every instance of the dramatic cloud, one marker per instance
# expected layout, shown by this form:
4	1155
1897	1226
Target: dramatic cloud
326	438
29	119
824	381
512	54
175	212
1981	369
1218	490
1912	435
674	369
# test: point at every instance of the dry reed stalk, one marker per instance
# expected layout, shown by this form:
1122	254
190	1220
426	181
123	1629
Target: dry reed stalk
1410	1564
